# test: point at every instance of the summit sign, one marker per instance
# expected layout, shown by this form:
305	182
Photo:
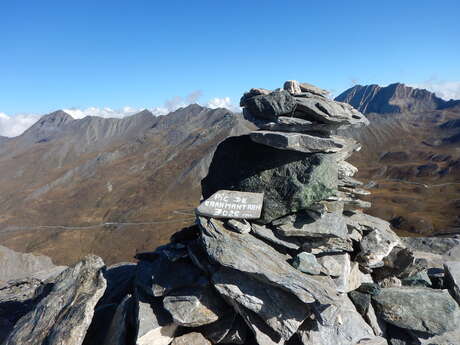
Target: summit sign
232	204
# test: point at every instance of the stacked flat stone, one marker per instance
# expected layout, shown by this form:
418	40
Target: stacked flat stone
302	118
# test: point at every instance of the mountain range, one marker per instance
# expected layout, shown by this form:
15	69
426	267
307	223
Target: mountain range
411	155
119	186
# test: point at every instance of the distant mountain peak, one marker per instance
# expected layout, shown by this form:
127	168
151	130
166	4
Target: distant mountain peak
48	124
54	119
394	98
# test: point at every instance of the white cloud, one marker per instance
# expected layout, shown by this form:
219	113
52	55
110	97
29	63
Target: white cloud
105	112
11	126
224	102
444	89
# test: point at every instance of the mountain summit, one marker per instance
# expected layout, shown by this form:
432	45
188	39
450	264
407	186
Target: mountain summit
394	98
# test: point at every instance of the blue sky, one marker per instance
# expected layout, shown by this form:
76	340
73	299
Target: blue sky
139	54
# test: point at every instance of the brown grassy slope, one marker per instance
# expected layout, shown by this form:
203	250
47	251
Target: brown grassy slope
144	179
399	148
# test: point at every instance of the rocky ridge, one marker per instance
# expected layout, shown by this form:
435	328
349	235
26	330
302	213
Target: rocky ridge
314	269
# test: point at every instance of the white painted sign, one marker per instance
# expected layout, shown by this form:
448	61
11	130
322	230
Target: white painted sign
232	204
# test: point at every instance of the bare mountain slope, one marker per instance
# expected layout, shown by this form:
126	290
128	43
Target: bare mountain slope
63	174
411	152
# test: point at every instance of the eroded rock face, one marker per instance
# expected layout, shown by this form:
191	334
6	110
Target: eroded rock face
64	315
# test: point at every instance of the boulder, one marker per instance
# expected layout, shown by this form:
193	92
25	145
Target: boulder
253	92
193	338
341	325
376	245
298	142
292	86
64	315
314	108
303	225
291	181
452	270
194	307
280	310
276	103
306	87
154	325
350	276
306	263
331	264
418	309
247	254
346	169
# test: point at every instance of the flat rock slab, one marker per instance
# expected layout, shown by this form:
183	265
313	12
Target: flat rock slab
452	270
298	142
245	253
65	314
194	307
282	311
418	309
154	325
232	204
291	181
302	225
342	325
294	124
325	110
270	106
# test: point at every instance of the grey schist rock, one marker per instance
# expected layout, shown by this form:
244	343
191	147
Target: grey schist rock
306	263
294	124
292	86
194	307
154	324
452	270
376	245
276	103
193	338
245	253
324	110
298	142
291	181
303	225
281	310
418	309
342	325
64	315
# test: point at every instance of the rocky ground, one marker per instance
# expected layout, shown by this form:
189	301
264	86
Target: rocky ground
313	269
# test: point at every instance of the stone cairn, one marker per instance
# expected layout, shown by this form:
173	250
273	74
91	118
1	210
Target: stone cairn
313	269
